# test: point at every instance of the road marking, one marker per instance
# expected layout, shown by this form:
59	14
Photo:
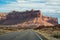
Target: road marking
38	36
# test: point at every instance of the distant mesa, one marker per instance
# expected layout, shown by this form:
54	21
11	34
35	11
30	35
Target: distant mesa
33	17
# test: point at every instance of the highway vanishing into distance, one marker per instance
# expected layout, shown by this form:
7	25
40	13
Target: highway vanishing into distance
23	35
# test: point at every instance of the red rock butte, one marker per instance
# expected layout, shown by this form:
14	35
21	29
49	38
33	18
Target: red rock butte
33	17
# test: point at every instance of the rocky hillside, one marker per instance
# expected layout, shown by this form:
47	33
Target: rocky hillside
33	17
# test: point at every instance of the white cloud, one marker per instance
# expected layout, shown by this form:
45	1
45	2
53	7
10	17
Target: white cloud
50	6
36	0
21	1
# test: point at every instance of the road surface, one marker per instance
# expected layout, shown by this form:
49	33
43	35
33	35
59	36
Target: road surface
23	35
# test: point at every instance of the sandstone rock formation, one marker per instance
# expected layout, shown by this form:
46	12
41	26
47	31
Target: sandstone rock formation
33	17
2	17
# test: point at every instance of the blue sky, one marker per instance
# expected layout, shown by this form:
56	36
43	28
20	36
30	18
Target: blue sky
47	7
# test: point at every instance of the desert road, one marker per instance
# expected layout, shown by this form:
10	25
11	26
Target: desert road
23	35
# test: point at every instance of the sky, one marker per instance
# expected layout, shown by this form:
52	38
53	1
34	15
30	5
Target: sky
47	7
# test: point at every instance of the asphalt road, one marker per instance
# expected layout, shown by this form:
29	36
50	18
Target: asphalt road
23	35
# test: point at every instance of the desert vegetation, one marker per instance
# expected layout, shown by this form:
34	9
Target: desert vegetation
8	28
50	32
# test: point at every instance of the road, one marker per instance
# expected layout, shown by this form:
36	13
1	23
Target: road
23	35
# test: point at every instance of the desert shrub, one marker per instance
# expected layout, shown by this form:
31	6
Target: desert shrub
56	35
2	32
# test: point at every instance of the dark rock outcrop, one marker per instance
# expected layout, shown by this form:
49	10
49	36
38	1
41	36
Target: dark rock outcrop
28	17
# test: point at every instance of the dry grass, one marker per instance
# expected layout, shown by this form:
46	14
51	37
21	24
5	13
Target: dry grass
2	31
50	33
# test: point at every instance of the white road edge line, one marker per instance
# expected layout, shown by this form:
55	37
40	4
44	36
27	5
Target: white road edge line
38	36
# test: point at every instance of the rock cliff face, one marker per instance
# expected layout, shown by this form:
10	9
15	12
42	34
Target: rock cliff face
33	17
2	17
